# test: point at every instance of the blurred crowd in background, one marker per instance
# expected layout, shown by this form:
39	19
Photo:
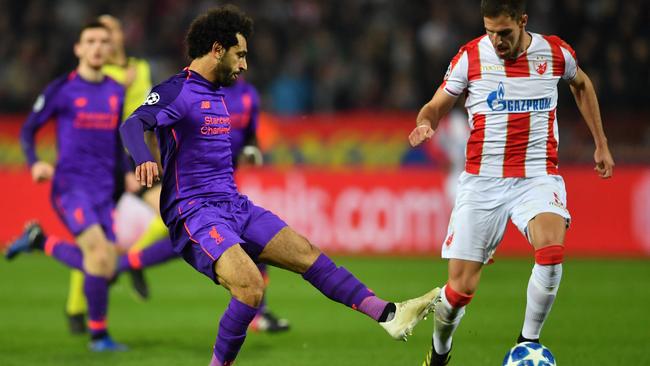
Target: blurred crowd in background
311	56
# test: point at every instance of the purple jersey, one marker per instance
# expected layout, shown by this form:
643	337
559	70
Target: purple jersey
193	127
87	118
243	104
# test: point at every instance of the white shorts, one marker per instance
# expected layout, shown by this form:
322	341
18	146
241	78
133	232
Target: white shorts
484	205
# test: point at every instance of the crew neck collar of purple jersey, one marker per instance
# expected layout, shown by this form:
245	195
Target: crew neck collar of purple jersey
195	76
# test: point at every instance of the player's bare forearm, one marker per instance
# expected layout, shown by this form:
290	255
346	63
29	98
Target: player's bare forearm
429	116
435	109
585	96
587	101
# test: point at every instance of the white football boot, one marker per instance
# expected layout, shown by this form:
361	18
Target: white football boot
409	313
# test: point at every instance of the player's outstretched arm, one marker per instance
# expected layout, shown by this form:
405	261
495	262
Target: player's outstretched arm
429	116
585	96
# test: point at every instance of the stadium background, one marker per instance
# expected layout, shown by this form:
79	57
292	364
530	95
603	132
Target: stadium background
341	82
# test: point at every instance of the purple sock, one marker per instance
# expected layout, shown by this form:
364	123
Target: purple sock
160	252
232	331
123	264
214	361
66	253
338	284
373	307
96	291
265	275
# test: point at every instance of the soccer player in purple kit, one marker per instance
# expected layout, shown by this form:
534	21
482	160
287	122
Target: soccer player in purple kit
216	230
87	106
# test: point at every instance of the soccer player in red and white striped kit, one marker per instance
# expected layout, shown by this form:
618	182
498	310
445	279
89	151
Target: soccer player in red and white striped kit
510	78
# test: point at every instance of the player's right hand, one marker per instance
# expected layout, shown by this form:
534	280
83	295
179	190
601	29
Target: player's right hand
604	162
419	134
42	171
147	173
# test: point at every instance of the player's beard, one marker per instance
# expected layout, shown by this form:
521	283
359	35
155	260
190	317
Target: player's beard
224	75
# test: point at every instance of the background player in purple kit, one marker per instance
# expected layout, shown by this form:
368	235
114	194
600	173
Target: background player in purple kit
87	106
218	231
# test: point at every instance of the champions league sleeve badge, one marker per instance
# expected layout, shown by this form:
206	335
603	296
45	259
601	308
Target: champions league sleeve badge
152	99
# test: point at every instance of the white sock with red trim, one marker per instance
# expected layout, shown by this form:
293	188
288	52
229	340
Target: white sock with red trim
542	288
449	312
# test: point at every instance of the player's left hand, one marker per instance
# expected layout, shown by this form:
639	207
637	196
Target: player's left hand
131	184
604	162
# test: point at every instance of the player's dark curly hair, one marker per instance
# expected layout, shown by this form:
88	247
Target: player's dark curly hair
493	8
220	25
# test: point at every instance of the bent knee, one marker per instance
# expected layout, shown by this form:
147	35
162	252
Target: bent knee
548	239
101	265
547	229
250	291
100	269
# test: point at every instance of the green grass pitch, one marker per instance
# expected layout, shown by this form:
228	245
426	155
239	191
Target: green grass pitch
600	316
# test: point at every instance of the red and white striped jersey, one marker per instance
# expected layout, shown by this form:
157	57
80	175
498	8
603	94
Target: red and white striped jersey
511	105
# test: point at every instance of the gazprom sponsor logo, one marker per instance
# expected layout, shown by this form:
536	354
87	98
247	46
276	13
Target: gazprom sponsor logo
495	99
497	102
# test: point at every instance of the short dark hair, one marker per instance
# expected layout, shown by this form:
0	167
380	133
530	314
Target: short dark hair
494	8
217	25
92	24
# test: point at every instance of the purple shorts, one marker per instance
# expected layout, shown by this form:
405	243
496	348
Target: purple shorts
204	235
78	212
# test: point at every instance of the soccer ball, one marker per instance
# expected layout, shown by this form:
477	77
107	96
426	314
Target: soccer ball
529	354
